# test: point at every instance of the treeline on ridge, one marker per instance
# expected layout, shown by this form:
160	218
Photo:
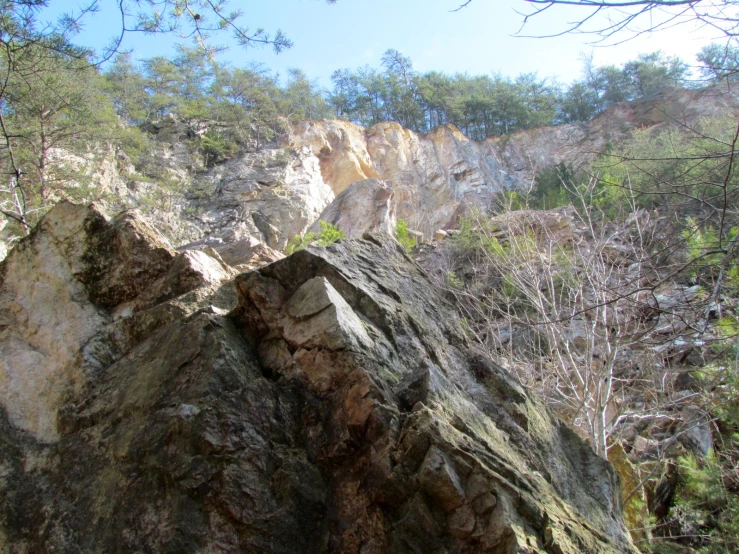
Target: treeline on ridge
54	102
193	86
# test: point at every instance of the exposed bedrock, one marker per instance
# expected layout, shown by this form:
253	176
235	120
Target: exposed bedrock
437	176
331	404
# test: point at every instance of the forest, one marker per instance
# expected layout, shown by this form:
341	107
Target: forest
479	105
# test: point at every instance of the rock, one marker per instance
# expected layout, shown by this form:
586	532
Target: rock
3	243
556	224
282	425
243	253
364	206
245	259
170	129
341	148
687	381
438	478
272	195
431	175
696	433
436	176
419	237
633	496
318	316
279	191
440	234
66	283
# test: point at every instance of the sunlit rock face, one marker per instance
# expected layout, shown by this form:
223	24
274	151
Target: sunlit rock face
364	206
438	176
433	177
328	402
271	195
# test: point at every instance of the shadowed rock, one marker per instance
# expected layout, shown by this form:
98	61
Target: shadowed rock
336	408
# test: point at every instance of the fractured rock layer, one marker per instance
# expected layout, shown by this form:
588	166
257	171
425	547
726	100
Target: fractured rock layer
336	408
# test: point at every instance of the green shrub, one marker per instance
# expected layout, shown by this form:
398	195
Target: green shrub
134	142
551	187
329	234
707	506
215	148
298	242
404	238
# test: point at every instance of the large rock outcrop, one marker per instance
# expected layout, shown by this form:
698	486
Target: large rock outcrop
336	408
72	296
437	176
363	207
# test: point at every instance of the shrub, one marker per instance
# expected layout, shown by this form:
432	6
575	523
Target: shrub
551	187
404	238
215	148
329	234
298	242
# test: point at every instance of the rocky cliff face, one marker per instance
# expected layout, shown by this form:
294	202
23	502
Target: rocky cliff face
328	402
271	195
436	176
432	179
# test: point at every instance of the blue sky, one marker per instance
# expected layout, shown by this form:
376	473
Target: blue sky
477	39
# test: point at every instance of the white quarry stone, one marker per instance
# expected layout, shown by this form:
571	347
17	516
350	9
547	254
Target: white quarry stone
44	319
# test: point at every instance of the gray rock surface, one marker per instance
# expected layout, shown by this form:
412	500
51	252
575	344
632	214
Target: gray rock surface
364	206
337	408
271	195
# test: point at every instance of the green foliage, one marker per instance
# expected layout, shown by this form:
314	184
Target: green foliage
702	245
298	242
134	143
329	234
302	98
51	103
477	232
466	328
706	506
510	200
719	62
401	233
452	280
677	172
488	105
707	501
215	148
553	187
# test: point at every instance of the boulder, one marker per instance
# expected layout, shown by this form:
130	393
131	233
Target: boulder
364	206
245	253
